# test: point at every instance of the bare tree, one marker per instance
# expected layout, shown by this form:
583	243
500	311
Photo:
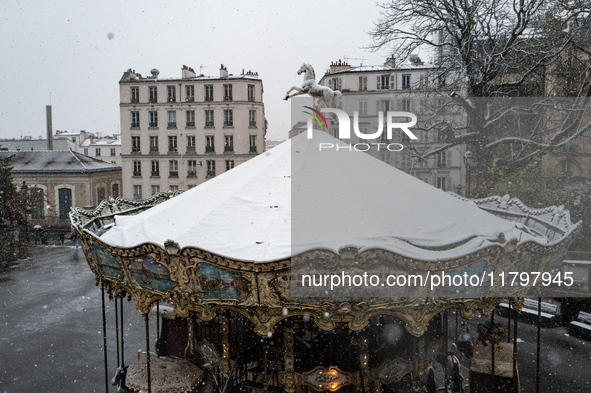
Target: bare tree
487	50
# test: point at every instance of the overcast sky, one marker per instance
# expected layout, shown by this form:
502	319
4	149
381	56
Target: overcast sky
64	48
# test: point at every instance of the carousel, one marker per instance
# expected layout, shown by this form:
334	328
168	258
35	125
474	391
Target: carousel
222	268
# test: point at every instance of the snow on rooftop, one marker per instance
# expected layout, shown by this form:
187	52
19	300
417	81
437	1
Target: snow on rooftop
295	198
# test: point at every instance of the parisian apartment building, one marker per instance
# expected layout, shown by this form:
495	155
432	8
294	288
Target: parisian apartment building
407	87
180	132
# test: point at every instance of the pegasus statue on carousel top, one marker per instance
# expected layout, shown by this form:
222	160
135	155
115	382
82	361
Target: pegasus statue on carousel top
327	97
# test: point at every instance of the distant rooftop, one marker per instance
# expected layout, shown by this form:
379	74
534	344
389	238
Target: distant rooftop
187	74
56	162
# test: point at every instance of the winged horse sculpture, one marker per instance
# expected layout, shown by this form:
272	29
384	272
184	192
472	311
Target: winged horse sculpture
327	96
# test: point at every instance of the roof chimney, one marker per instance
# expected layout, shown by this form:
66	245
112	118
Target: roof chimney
390	62
188	72
223	71
49	127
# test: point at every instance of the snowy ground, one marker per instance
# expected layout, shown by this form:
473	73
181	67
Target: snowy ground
51	333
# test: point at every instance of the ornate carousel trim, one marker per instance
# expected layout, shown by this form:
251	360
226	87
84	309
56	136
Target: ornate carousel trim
201	281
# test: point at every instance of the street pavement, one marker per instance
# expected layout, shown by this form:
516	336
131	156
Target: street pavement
51	332
51	337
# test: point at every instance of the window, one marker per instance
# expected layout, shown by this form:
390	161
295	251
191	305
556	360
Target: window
171	93
135	144
155	190
115	191
228	143
252	118
190	93
86	151
227	92
385	105
153	119
228	118
172	144
250	93
135	95
209	145
190	143
209	118
137	193
210	168
153	94
383	82
335	83
137	168
171	119
442	183
190	186
405	105
566	167
441	162
38	208
362	108
155	168
114	162
208	92
98	151
113	152
174	168
441	81
135	119
100	194
191	168
362	83
190	118
173	188
153	144
405	81
229	164
252	141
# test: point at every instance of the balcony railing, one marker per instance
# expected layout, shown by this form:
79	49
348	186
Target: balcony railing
153	124
134	100
253	149
153	149
155	174
171	99
210	173
171	124
135	149
137	173
208	98
209	149
209	123
153	99
137	197
173	174
135	125
190	99
228	123
190	124
252	124
190	149
251	99
229	149
192	174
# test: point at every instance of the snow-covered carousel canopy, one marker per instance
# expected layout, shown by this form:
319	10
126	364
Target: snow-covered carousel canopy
297	205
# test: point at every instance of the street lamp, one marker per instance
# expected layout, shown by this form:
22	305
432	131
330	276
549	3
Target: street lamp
468	162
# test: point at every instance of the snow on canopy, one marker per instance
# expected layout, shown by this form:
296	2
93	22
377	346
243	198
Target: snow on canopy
295	198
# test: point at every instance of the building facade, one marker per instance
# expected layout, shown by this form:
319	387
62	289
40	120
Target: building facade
408	87
63	179
178	133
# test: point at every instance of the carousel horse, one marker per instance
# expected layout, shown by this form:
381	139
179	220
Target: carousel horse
119	379
328	97
431	385
453	364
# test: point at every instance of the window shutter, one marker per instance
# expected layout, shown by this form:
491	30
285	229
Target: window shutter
379	83
330	83
448	158
392	82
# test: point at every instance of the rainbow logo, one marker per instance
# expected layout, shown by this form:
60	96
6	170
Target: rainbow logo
314	115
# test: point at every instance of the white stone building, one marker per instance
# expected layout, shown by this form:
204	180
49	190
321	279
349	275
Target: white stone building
105	148
178	133
409	87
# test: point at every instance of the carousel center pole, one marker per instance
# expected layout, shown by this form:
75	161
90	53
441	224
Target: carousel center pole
148	351
105	337
492	346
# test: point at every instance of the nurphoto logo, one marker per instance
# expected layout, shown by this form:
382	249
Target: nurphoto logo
392	122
